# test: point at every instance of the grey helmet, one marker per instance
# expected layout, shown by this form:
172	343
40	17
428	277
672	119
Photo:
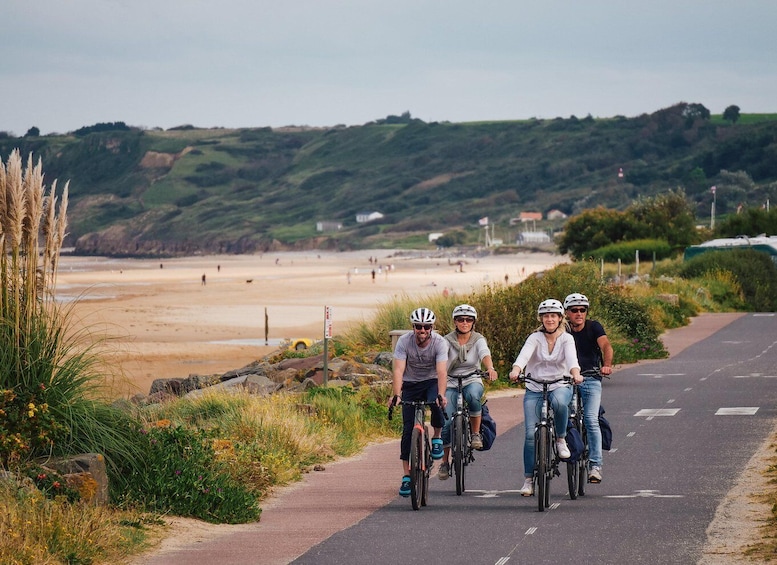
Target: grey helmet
575	299
464	310
549	306
422	316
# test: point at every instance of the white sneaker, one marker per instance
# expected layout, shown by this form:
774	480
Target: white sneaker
528	487
595	475
563	450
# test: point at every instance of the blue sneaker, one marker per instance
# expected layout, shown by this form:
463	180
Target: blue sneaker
404	489
436	448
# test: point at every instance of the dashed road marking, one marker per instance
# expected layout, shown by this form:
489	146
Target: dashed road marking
650	413
644	494
737	411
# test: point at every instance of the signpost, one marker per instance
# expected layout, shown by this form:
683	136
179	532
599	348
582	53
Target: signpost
327	337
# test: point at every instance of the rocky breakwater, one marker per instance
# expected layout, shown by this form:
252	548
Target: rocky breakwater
264	378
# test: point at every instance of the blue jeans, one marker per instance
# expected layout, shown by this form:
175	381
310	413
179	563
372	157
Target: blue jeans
473	392
532	407
591	395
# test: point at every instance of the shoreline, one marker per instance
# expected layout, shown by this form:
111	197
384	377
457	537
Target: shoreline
206	314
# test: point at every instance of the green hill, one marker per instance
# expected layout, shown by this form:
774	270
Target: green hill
188	190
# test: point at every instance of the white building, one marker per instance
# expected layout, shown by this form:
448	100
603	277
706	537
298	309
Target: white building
532	237
364	217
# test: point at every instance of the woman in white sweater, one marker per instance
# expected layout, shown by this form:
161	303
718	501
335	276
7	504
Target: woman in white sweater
547	354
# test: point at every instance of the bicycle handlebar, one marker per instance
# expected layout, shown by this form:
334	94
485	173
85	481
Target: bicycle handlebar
594	373
414	403
475	373
527	377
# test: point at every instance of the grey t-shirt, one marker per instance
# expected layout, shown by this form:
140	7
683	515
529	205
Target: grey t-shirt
421	362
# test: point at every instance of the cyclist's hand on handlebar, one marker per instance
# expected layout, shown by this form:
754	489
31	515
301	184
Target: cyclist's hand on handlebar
393	401
492	374
515	374
605	371
441	401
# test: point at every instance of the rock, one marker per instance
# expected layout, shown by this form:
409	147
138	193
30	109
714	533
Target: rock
172	386
384	359
86	473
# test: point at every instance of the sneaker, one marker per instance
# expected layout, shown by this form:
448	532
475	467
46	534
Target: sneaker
444	472
595	475
404	489
437	451
477	441
528	487
563	450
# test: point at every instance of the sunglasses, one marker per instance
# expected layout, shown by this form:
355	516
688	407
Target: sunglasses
578	310
465	319
426	327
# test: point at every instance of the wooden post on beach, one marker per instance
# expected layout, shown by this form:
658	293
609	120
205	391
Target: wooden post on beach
266	326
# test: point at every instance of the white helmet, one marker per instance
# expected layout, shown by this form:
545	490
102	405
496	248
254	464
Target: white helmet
422	316
549	306
575	299
465	310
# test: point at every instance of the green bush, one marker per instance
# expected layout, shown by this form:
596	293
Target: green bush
626	251
182	476
754	271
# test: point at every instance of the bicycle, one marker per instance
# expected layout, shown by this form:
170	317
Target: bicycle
577	471
546	457
420	452
461	432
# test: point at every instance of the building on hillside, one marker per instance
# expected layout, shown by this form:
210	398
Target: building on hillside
328	226
530	217
530	237
364	217
434	236
765	243
556	215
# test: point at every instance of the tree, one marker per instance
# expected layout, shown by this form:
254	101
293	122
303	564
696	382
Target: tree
731	113
32	132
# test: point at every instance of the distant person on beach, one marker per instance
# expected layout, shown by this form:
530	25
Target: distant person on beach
373	275
419	373
467	351
203	279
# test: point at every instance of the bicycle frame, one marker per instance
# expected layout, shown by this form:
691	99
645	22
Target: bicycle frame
420	453
546	459
461	436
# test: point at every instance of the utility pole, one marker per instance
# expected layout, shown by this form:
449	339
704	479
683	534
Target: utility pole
712	210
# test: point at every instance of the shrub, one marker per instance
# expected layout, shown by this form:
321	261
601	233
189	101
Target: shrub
626	251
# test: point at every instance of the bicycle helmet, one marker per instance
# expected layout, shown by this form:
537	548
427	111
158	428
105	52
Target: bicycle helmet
575	299
550	306
422	316
464	310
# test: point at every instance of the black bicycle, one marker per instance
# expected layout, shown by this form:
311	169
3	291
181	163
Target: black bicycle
420	452
461	432
577	471
546	457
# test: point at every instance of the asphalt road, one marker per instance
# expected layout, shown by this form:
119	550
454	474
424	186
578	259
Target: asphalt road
683	430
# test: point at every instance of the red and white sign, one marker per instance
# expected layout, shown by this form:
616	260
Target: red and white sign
327	322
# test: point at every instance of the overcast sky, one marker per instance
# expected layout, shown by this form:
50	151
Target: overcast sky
254	63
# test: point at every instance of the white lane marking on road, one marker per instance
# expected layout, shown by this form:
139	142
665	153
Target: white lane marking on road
661	375
554	506
764	314
754	375
731	342
651	413
492	493
737	411
502	561
531	531
644	494
687	389
670	401
630	434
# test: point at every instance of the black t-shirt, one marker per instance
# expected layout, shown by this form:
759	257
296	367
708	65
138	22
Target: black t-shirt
589	355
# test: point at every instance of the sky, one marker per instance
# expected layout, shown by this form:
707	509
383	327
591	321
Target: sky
258	63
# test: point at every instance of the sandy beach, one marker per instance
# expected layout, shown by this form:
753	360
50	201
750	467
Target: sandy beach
206	315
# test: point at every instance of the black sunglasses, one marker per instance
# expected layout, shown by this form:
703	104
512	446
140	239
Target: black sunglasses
578	310
466	319
426	327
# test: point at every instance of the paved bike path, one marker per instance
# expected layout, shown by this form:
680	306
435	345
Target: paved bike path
325	502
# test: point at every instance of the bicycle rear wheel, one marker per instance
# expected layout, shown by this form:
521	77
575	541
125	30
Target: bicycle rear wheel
583	464
458	452
541	456
428	464
416	468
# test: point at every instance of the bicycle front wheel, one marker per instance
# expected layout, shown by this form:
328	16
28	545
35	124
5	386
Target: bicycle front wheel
541	457
428	464
458	452
416	468
573	475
